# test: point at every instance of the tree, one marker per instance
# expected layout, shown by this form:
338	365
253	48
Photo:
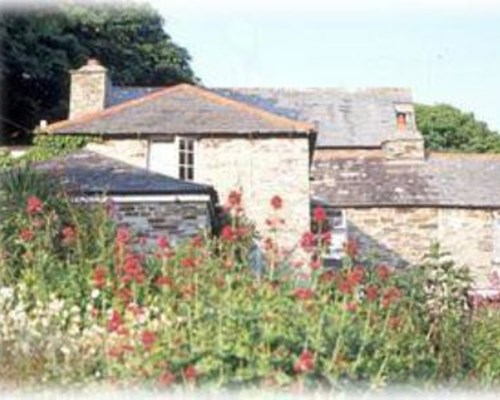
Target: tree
40	45
446	128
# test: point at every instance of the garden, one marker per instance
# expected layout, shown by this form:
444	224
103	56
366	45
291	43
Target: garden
84	300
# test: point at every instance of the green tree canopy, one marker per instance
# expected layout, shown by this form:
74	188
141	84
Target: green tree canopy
446	128
40	45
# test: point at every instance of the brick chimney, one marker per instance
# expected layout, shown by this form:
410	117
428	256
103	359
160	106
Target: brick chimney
89	89
406	142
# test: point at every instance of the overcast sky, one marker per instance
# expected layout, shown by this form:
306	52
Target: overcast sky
445	50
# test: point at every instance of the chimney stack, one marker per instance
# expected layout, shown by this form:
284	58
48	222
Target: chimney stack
89	89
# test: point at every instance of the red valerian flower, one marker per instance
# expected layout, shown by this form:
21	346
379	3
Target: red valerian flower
371	292
166	378
277	202
69	235
163	242
190	373
355	277
122	236
391	295
125	295
148	339
315	264
351	248
303	293
133	270
304	363
26	235
34	205
115	322
394	322
383	272
163	281
99	277
197	241
234	199
345	286
351	307
228	234
328	276
308	241
319	215
188	262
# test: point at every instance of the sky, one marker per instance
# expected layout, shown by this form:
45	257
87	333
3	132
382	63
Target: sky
444	50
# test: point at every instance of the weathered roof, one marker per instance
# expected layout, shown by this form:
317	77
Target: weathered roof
88	173
121	94
447	180
181	109
360	118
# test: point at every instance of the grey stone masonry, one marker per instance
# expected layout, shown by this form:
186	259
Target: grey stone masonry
175	220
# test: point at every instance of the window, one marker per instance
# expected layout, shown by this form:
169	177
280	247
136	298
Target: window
401	121
404	117
186	159
338	228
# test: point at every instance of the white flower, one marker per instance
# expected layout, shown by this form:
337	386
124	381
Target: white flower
95	293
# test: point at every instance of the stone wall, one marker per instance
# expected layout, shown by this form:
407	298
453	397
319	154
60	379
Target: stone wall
175	220
131	151
403	235
260	168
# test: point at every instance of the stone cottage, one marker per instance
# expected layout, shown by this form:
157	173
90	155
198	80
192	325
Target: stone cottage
357	153
196	135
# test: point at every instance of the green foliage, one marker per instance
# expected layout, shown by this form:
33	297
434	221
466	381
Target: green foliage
41	44
447	128
122	309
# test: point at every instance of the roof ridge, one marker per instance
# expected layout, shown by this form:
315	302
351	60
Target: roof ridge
245	107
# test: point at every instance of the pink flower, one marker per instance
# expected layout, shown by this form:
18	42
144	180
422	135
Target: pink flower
34	205
122	236
277	202
234	199
148	339
304	363
315	264
190	373
26	235
383	272
319	215
227	233
163	243
371	292
163	281
188	262
69	235
303	293
99	277
307	242
351	307
166	378
115	322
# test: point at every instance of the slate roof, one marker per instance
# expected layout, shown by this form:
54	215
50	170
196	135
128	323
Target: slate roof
447	180
343	118
90	173
121	94
180	109
360	118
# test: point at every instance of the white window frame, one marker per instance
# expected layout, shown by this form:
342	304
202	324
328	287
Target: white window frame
184	167
339	234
